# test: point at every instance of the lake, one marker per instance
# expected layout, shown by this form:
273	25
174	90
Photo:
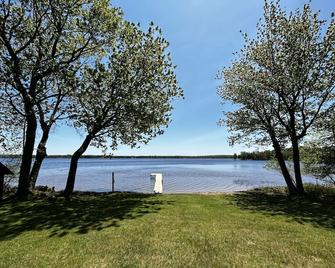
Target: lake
179	175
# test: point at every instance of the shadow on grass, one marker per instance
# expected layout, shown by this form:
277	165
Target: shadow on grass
316	210
82	214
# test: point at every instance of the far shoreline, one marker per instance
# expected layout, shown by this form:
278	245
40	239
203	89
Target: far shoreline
139	156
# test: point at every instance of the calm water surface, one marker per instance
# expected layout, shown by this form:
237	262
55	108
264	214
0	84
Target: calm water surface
179	175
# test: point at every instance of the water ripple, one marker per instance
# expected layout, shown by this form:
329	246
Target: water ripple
179	175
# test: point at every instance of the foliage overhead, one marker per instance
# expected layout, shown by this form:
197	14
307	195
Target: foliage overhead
284	76
43	38
126	97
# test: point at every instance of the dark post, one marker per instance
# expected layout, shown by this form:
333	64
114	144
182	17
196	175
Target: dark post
113	182
3	171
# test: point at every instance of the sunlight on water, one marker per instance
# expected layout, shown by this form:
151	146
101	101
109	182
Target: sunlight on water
179	175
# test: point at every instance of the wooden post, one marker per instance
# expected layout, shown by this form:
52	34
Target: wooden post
2	181
113	182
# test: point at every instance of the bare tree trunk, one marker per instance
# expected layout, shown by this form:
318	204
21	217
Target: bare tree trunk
27	156
281	161
73	166
40	156
296	164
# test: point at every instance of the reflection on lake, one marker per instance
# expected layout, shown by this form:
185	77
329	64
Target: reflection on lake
179	175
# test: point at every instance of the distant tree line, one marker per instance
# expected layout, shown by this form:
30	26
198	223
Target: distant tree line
264	155
257	155
133	156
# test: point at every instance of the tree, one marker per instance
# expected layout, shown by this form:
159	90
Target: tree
282	83
43	39
125	98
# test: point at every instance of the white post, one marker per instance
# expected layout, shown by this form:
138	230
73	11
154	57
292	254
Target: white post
158	177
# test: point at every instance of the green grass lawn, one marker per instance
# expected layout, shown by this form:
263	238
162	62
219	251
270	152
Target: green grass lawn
253	229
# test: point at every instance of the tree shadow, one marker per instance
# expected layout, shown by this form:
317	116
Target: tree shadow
316	210
80	215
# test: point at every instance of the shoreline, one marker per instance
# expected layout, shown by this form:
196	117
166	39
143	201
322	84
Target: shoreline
266	189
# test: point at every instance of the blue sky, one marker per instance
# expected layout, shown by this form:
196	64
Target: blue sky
203	34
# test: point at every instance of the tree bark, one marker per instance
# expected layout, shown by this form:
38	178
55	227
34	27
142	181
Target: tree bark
2	181
296	164
73	166
41	153
281	161
27	155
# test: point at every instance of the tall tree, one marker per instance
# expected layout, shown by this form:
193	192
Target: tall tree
125	98
39	39
282	83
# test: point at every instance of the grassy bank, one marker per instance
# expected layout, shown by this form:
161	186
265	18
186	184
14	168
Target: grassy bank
256	228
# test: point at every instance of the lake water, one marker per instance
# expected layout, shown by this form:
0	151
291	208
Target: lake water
179	175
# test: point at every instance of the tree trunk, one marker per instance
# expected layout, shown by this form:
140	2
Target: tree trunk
2	181
281	161
27	155
296	164
73	166
40	156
